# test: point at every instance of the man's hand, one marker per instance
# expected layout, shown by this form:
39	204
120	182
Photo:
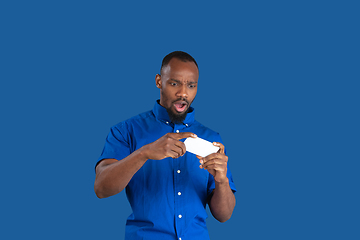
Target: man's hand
223	201
167	146
216	163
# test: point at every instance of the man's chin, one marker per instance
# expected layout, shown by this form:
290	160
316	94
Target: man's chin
177	117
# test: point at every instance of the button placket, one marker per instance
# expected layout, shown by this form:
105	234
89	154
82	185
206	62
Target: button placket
179	214
178	192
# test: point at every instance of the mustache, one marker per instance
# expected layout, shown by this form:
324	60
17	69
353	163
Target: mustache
181	99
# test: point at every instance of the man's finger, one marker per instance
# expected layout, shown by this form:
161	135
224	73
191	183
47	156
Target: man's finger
222	147
213	161
174	154
182	135
182	147
174	151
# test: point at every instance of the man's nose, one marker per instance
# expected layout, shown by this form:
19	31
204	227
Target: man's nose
182	92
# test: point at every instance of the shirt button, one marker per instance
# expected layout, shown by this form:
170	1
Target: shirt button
180	216
186	125
179	238
177	131
167	122
179	193
178	171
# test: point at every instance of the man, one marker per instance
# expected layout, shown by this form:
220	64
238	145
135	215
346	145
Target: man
167	187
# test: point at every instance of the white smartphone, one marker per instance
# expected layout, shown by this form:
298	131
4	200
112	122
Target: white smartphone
200	146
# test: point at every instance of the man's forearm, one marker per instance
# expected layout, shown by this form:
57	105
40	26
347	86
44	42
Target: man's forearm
112	176
222	202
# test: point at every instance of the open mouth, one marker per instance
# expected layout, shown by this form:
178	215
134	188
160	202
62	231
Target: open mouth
180	106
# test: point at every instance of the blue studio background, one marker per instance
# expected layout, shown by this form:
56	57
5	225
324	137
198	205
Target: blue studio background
279	80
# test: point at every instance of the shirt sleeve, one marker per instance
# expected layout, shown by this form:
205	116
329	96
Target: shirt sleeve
116	145
211	182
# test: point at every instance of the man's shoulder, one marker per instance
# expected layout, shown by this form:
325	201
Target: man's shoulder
140	118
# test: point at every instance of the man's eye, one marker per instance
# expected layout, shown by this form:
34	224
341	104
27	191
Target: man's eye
173	84
192	86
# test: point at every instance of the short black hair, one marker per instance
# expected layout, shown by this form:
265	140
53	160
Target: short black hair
183	56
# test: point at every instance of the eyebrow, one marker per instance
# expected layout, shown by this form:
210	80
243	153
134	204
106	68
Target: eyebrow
178	81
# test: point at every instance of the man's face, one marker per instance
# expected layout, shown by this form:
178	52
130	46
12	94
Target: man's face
178	87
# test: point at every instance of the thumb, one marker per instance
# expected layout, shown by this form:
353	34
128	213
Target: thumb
182	135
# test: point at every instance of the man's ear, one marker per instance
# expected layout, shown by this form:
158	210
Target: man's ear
158	81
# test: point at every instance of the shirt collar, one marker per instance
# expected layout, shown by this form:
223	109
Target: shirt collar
161	114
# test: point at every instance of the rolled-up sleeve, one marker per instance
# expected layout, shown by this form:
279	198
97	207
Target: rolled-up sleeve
116	144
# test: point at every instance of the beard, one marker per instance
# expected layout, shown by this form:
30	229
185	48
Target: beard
177	117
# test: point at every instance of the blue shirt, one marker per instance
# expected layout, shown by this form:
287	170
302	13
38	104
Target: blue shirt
168	197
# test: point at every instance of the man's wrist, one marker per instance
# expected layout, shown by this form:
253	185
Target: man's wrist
223	182
142	154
